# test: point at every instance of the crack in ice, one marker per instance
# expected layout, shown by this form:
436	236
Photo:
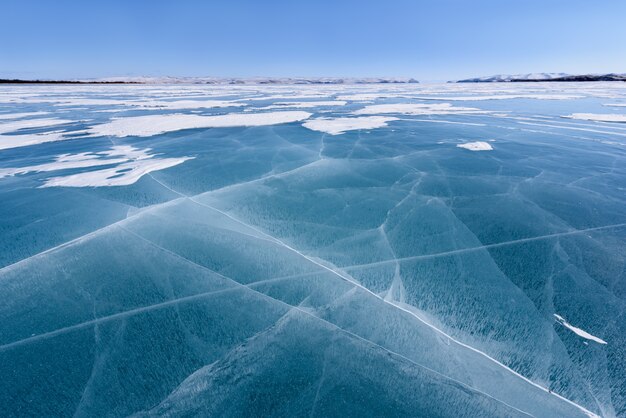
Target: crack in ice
355	283
237	287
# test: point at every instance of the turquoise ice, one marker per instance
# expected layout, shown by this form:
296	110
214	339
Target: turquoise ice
397	250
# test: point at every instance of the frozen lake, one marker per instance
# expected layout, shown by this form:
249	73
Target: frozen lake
453	250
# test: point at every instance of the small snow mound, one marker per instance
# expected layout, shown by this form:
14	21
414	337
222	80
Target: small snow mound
476	146
598	117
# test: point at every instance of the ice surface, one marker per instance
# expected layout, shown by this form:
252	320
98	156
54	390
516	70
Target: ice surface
198	250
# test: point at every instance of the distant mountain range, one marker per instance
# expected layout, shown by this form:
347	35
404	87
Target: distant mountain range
542	77
262	80
222	81
21	81
500	78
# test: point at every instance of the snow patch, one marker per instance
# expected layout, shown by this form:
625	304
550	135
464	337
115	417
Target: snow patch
416	109
476	146
121	175
17	141
80	160
186	104
5	116
339	126
303	105
158	124
14	126
578	331
598	117
504	97
130	165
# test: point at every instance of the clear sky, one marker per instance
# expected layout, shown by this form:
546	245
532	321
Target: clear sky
425	39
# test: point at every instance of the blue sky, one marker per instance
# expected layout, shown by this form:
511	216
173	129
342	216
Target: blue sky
426	39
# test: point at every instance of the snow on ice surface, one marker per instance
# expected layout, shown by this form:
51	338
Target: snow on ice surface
503	97
14	126
305	105
120	175
598	117
16	141
21	115
158	124
578	331
262	264
130	165
18	136
476	146
416	109
339	126
187	104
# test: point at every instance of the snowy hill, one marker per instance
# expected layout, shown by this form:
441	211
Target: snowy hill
511	77
538	77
